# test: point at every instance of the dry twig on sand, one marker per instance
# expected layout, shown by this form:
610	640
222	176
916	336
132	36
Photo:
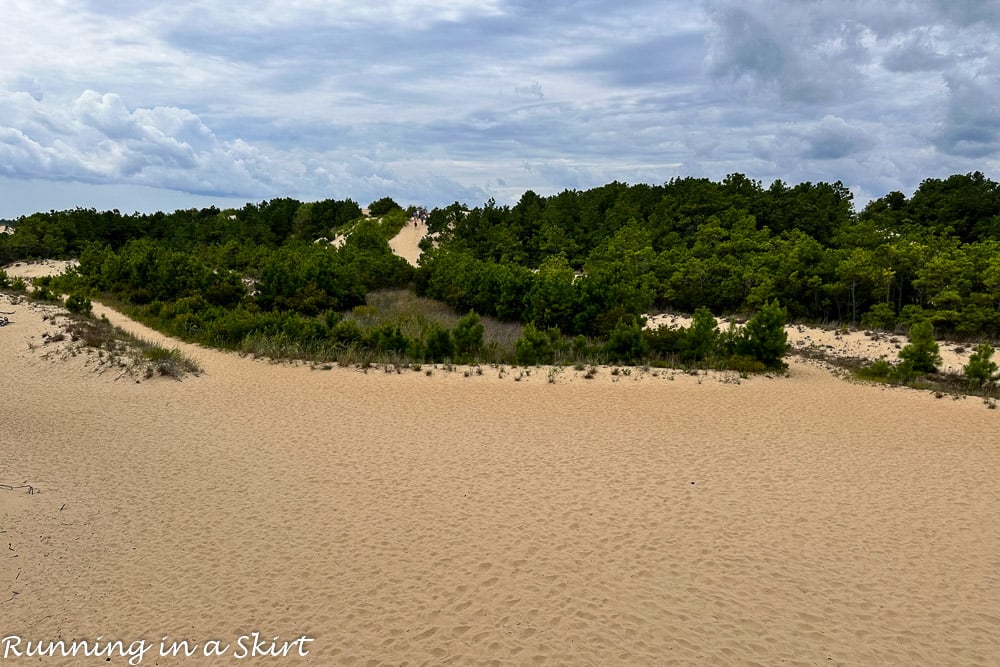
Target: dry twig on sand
9	487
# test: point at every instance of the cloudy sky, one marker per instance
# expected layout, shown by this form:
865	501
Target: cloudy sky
154	105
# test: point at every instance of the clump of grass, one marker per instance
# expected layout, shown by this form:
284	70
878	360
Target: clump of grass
168	362
117	348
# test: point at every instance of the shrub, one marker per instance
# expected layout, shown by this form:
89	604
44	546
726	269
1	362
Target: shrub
922	351
742	364
764	337
43	293
440	344
880	316
386	338
346	332
626	343
469	335
533	347
79	304
581	347
382	206
663	341
879	370
981	367
699	340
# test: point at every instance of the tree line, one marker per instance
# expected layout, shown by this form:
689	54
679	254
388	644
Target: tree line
581	260
578	269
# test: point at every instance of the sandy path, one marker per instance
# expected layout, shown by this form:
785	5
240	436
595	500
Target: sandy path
406	243
427	520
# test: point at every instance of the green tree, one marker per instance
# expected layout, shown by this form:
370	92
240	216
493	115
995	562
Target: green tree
981	367
382	206
78	303
468	335
534	347
764	337
879	316
440	344
700	339
922	351
551	298
626	343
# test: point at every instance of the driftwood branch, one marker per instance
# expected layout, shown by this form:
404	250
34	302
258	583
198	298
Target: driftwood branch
31	490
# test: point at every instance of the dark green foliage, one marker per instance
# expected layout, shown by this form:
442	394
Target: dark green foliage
879	370
764	337
468	335
981	368
42	292
579	261
581	347
626	343
550	302
388	339
321	219
382	206
439	344
699	340
534	346
922	351
346	333
880	316
79	304
664	342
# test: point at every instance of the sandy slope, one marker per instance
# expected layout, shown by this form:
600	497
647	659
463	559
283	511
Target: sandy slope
47	267
406	519
406	243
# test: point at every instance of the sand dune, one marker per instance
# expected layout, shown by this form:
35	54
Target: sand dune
47	267
407	519
406	243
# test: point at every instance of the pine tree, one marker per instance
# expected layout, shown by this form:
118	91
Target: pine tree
922	351
764	337
981	367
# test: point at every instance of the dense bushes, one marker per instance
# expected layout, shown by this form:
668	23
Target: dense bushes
79	304
581	268
618	251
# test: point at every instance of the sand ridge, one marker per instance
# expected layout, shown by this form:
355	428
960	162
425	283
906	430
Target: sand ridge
401	518
406	243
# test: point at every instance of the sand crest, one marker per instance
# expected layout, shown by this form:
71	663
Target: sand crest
406	243
39	269
407	519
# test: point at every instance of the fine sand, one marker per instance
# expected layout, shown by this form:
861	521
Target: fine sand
406	243
46	267
484	520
